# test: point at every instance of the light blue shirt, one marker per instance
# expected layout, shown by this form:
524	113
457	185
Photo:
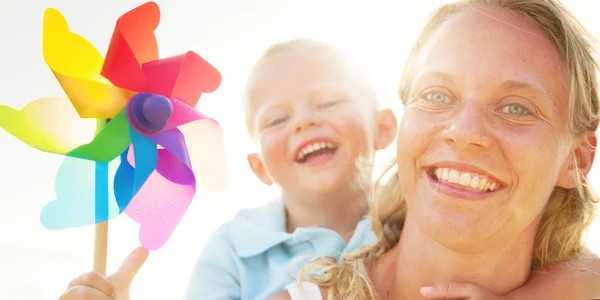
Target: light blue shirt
250	256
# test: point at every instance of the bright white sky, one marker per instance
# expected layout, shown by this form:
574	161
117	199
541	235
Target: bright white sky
36	263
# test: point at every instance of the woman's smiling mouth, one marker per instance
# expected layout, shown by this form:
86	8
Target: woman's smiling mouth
463	184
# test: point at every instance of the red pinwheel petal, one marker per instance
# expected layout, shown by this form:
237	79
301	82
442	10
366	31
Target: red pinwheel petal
184	77
133	43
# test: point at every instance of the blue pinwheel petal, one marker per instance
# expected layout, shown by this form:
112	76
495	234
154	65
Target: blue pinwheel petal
131	177
83	195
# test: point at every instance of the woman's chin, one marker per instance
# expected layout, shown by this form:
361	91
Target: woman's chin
454	230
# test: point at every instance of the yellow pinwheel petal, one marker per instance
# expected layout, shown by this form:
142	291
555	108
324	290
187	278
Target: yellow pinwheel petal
77	64
48	124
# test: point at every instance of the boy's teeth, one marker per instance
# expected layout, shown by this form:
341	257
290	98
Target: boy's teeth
314	147
466	179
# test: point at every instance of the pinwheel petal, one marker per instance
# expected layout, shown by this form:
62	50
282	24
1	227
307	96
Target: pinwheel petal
137	163
184	77
206	148
83	195
180	171
109	143
47	124
160	204
133	43
76	64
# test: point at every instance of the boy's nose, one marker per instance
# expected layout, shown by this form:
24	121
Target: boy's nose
305	118
305	122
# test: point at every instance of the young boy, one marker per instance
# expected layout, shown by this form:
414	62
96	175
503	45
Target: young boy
314	117
316	123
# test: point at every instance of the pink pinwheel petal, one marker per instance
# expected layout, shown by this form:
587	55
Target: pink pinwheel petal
160	204
184	77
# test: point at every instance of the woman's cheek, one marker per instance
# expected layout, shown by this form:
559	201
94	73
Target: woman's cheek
415	126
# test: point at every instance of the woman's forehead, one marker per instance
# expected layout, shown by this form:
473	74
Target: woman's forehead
492	45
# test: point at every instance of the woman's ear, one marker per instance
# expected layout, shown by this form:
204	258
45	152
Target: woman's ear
387	126
581	160
258	168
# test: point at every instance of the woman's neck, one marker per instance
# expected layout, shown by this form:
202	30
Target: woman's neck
419	261
339	211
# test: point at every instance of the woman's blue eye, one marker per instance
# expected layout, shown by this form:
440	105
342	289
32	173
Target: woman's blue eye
516	109
436	97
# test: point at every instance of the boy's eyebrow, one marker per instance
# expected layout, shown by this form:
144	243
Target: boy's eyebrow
338	88
324	89
265	108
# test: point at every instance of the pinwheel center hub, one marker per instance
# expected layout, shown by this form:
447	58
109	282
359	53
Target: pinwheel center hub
150	113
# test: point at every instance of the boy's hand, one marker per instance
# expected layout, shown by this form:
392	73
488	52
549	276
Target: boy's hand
94	286
459	291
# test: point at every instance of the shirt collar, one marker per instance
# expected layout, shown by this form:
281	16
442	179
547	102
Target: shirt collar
256	230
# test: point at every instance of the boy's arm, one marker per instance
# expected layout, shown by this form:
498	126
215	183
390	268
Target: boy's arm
215	275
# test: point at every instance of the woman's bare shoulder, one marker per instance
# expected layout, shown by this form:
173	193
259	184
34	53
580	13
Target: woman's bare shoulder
578	277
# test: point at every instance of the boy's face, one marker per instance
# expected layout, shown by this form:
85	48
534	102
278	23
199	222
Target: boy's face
313	116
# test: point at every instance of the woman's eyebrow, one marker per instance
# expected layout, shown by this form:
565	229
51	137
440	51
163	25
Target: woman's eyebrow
443	76
524	85
436	74
507	84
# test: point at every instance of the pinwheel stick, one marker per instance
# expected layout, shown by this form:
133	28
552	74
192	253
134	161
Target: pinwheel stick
100	247
101	235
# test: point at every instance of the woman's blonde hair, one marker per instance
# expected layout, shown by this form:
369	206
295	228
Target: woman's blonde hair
569	211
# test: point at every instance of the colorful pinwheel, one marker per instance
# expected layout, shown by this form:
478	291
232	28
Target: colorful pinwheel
146	124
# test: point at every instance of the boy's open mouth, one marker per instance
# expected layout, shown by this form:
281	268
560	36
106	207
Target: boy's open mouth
315	151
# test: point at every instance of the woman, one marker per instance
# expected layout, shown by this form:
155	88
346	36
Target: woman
496	139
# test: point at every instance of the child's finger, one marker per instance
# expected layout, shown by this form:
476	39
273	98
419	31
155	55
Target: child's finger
456	291
81	292
123	277
94	281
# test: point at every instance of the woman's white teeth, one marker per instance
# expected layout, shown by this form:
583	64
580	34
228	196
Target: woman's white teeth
314	147
479	182
474	182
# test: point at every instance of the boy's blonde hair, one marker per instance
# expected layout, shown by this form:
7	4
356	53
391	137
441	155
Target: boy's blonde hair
569	211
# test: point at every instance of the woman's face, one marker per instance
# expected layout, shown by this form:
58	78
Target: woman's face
483	140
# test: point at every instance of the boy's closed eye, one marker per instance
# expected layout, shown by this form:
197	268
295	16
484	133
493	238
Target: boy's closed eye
329	103
276	121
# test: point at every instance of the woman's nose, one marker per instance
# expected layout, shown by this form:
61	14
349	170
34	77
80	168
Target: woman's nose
468	128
